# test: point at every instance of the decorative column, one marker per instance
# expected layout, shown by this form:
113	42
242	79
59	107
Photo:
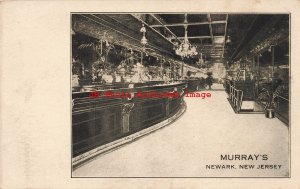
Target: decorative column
126	109
273	61
167	107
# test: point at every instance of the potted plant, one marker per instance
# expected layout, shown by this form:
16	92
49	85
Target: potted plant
269	95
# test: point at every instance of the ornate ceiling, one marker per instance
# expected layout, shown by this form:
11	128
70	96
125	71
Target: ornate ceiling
208	32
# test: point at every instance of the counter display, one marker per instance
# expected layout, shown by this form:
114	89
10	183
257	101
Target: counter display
98	121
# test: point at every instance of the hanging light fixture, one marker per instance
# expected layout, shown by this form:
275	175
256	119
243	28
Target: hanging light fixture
228	40
144	39
185	49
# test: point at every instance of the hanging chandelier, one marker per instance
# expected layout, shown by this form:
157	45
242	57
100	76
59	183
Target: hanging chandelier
144	39
185	49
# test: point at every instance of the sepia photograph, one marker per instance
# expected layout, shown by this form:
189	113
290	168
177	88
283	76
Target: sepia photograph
180	94
149	94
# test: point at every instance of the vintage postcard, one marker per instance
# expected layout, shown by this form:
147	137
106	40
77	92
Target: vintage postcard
180	86
161	94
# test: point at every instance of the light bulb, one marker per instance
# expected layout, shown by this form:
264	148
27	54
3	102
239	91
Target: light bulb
228	40
143	29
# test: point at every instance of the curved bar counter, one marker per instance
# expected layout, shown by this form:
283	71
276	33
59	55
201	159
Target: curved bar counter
99	121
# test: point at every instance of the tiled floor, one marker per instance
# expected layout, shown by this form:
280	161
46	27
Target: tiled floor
208	129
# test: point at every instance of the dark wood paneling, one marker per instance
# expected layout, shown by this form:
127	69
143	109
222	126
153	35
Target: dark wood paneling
98	121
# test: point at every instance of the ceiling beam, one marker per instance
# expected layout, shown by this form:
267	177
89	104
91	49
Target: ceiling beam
225	34
100	22
207	45
210	29
257	25
262	34
141	20
218	50
190	24
199	37
156	17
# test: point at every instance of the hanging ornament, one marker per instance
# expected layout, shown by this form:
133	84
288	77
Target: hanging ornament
185	49
144	39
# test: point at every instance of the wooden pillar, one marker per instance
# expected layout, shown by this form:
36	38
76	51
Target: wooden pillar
273	64
252	76
91	127
273	61
167	107
126	109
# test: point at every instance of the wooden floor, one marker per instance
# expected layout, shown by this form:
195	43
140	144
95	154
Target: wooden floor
208	129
